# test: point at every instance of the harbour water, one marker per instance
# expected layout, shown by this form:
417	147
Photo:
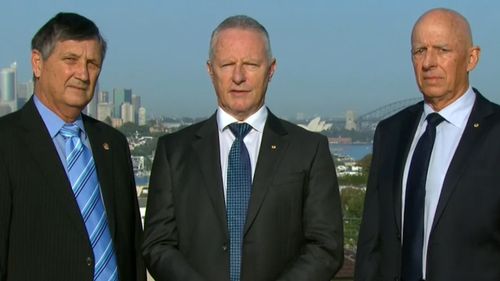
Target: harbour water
354	151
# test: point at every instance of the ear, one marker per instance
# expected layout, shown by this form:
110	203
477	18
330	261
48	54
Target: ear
272	69
210	69
36	63
474	53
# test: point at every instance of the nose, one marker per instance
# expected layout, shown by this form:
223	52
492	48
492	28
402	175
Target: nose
82	71
429	60
238	76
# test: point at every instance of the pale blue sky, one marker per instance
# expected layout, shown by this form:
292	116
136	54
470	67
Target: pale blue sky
332	55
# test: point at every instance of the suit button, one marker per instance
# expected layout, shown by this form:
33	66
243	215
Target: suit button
89	261
398	236
224	247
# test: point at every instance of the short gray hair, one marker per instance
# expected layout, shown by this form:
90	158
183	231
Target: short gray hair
66	26
241	22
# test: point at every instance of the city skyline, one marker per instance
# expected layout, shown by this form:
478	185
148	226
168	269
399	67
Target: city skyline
332	56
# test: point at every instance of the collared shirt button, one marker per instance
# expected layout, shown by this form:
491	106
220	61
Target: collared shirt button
89	261
224	247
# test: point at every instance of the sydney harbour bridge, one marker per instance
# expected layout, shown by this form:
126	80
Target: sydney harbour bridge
370	119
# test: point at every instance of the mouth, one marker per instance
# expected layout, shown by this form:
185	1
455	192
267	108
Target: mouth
432	79
238	92
79	88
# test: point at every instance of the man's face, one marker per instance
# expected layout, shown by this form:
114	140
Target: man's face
240	70
441	60
67	78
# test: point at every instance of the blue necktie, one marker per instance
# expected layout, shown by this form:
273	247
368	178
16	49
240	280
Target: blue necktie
239	186
85	185
413	229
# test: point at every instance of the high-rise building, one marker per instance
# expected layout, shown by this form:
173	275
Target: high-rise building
104	110
8	87
24	92
103	97
136	103
120	96
91	108
141	121
128	115
350	121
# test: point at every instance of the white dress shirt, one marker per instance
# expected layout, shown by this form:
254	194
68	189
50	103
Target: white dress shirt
252	140
448	135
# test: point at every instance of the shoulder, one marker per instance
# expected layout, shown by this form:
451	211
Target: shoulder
191	132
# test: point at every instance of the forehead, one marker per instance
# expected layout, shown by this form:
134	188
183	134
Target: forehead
90	48
440	29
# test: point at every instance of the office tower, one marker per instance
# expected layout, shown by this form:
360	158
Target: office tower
127	110
350	121
103	97
141	116
136	103
120	96
91	108
8	87
104	110
24	92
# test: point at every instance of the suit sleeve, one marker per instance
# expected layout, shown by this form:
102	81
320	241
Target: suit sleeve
367	256
322	254
5	213
160	247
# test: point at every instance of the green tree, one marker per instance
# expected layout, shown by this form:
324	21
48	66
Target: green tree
352	208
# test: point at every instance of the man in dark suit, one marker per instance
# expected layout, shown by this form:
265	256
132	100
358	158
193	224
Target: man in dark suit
58	222
289	227
437	219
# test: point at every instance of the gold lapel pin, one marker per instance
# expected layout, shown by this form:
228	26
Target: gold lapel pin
476	125
273	146
105	146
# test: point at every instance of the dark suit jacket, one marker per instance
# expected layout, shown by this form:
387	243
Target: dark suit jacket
42	234
464	243
293	229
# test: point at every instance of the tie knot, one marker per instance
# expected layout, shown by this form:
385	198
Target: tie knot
434	119
70	131
240	130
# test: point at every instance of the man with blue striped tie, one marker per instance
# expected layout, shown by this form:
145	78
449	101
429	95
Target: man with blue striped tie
68	206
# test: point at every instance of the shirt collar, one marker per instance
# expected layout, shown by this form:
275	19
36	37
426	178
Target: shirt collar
256	120
53	122
457	112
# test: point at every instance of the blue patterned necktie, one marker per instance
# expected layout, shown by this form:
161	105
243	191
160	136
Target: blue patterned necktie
239	186
413	229
83	177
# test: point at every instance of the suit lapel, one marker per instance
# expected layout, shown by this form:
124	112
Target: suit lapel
408	128
36	139
206	146
102	152
273	146
471	136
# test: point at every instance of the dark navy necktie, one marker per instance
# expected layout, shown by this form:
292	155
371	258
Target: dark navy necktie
413	228
239	186
83	177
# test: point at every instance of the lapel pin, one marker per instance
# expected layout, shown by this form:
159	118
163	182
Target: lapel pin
105	146
476	125
273	146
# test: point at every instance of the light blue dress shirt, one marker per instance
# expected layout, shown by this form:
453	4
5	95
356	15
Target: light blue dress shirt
448	135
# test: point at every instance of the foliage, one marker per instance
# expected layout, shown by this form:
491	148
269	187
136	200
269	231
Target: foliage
352	208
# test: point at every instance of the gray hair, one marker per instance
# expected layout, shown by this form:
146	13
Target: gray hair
66	26
241	22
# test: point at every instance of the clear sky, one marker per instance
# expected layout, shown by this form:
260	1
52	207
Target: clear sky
332	55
